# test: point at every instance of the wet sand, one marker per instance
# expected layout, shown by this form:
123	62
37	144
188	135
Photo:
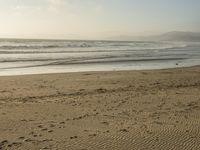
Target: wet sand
124	110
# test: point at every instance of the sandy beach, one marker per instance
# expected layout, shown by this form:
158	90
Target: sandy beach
122	110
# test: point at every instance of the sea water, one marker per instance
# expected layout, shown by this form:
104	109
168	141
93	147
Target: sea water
23	56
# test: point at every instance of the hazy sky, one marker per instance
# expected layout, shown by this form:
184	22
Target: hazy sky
96	19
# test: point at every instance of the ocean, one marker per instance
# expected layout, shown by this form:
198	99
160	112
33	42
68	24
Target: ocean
23	56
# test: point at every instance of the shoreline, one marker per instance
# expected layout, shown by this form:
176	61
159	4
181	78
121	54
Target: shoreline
147	109
110	71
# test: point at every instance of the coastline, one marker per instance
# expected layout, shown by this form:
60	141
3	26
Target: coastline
146	109
98	71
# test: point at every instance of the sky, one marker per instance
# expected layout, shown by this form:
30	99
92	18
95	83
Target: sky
96	19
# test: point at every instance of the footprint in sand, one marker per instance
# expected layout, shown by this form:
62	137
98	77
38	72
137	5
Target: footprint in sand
93	135
62	122
28	140
44	129
73	137
35	135
40	126
21	137
3	143
123	130
106	131
105	123
52	125
15	144
45	148
50	131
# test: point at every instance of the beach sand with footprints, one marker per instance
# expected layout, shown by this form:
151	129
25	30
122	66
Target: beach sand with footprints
122	110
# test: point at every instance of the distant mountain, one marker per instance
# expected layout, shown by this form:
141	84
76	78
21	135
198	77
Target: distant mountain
179	36
169	36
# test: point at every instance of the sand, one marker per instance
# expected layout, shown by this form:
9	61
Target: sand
124	110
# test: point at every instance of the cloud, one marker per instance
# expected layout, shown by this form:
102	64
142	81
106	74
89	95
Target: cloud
56	2
56	5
